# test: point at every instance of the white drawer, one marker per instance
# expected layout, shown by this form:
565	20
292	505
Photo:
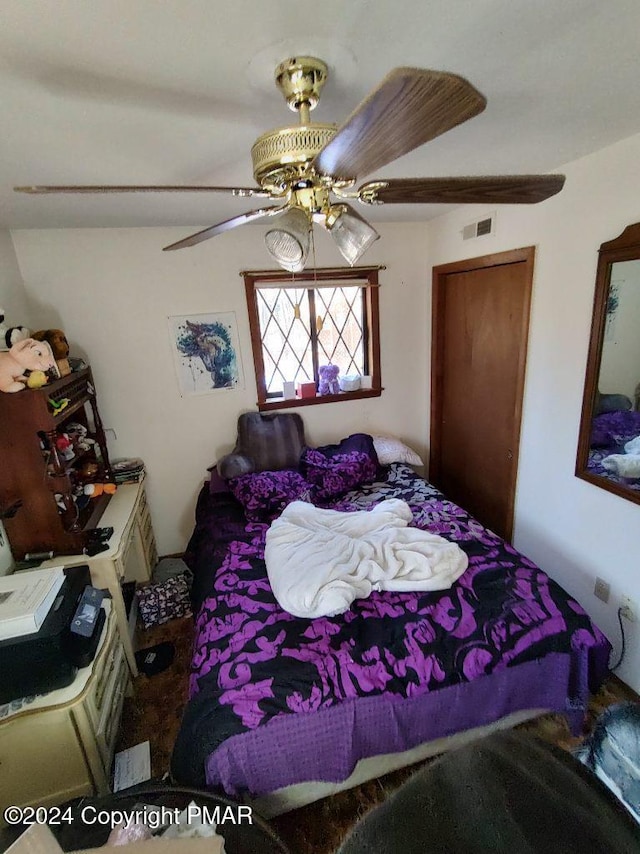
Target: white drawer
41	760
98	695
142	505
151	553
107	732
144	520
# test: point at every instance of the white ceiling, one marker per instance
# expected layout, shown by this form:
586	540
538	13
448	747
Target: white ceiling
175	92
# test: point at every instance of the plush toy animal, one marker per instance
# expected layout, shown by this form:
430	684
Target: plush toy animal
59	346
10	335
328	375
27	355
94	490
37	379
79	436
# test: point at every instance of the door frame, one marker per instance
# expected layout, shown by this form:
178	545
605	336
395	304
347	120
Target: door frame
524	255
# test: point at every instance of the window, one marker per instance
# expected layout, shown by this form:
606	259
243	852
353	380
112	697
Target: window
300	322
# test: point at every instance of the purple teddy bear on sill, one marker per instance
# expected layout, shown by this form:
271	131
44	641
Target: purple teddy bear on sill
328	379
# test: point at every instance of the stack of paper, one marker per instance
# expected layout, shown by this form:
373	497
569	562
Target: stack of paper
26	599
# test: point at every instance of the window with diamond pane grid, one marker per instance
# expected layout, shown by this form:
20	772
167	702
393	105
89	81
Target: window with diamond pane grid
341	332
285	331
298	325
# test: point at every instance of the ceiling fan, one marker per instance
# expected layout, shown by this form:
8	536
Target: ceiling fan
310	169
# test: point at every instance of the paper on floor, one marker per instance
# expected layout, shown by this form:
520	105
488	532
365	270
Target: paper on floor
132	766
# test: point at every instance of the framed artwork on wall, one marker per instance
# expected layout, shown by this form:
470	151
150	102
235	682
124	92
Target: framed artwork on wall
206	352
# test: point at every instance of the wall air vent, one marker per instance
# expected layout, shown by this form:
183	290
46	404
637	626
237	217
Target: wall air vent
480	228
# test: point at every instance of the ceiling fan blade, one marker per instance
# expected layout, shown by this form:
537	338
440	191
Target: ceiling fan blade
490	189
235	191
410	107
228	224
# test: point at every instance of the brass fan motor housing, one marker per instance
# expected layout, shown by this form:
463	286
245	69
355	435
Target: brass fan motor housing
283	155
300	79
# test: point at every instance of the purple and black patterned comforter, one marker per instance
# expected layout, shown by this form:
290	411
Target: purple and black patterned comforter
276	700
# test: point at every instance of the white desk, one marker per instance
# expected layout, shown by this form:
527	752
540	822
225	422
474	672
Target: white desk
131	555
60	745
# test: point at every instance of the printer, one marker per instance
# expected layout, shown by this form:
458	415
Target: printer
42	661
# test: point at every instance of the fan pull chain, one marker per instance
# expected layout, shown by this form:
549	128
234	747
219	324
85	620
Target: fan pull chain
313	253
319	321
296	308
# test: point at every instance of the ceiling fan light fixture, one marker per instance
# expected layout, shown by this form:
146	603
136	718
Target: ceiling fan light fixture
299	168
288	241
352	234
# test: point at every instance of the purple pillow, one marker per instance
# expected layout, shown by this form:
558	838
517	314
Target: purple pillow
359	442
265	494
612	429
333	470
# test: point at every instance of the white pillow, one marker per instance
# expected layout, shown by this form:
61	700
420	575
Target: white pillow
392	450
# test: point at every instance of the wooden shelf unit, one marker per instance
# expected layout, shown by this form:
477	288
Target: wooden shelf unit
33	472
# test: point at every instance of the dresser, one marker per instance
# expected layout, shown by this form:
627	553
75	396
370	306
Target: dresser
60	745
131	556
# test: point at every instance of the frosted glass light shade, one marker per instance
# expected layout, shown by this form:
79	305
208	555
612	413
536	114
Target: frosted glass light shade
288	241
352	234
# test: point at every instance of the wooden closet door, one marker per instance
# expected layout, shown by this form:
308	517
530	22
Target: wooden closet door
481	318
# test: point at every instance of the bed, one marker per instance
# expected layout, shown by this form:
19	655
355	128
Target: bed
285	710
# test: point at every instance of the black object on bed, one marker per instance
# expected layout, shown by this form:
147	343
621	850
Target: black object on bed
509	794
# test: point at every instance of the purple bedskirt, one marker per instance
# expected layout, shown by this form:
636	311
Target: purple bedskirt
327	745
277	700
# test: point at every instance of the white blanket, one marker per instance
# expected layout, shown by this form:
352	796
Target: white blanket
319	561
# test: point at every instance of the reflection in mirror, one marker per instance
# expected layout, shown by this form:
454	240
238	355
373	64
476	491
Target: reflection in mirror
609	447
615	434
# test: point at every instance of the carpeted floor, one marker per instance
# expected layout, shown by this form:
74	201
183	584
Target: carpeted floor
155	710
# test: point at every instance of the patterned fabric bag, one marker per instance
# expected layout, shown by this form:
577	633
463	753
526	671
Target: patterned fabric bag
158	603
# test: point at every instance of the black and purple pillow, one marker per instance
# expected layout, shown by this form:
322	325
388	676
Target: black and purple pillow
332	470
265	494
614	429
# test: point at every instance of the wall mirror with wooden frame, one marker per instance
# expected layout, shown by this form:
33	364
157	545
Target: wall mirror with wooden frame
609	440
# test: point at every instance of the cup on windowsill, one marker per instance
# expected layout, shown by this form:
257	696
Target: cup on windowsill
366	381
288	390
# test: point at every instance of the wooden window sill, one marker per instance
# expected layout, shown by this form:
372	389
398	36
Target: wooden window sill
290	402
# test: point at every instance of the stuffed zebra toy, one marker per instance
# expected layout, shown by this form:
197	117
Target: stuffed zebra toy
9	335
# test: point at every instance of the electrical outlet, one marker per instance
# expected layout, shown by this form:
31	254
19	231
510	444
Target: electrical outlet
602	590
628	608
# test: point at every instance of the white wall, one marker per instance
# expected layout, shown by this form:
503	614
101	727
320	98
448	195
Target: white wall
572	529
112	290
13	297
